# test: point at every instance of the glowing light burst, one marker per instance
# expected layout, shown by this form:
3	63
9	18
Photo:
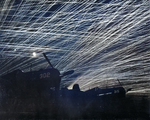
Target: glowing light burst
101	40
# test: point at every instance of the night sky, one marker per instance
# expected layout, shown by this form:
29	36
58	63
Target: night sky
103	41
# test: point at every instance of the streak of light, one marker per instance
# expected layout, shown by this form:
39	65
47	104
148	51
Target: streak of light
101	41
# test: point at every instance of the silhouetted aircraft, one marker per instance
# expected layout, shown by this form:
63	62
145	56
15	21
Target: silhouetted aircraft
47	77
51	78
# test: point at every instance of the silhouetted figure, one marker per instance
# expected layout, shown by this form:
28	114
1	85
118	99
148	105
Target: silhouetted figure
76	87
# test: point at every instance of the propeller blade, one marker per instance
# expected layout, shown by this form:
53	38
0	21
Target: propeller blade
48	60
67	73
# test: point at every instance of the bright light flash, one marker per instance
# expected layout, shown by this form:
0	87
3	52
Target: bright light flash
34	54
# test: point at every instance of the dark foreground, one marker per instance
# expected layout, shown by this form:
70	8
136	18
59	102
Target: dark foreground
51	106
